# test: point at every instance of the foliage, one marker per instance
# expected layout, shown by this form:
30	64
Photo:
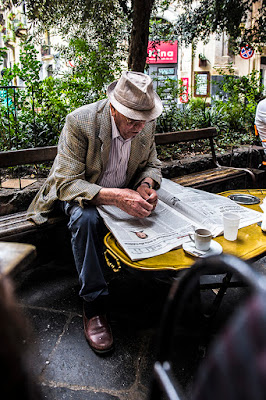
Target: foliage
243	95
34	115
3	51
54	97
233	116
95	66
29	65
175	117
201	19
120	26
96	25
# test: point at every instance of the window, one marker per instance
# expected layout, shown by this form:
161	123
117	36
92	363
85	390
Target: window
201	84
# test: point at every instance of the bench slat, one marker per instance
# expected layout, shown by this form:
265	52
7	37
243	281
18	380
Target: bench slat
209	176
17	217
27	156
14	224
185	136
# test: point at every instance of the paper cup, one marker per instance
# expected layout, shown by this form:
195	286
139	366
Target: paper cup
231	224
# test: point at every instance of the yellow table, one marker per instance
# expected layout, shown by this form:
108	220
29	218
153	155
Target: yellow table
14	256
250	243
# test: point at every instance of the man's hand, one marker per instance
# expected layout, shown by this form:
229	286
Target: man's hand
130	201
148	194
134	204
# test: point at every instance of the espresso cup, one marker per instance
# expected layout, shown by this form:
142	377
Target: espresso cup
202	239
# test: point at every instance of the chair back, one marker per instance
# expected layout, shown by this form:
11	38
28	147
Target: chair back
235	368
164	383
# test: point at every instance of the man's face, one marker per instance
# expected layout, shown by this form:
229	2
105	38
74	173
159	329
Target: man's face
141	235
128	128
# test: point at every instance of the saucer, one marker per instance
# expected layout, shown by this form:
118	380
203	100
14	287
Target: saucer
214	250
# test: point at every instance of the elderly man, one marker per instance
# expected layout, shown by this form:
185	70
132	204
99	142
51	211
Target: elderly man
106	155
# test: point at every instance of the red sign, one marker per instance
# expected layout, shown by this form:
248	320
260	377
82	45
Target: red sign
184	94
163	53
70	63
246	52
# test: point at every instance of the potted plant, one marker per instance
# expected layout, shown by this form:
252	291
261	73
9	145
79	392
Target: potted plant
20	30
203	60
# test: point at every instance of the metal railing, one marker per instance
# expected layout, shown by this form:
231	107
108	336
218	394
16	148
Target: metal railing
10	116
19	155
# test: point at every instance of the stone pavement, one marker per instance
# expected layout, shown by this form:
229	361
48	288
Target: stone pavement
66	366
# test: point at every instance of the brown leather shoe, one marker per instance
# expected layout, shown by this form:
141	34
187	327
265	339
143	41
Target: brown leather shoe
98	333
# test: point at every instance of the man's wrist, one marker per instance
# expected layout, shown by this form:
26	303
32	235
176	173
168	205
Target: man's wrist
146	183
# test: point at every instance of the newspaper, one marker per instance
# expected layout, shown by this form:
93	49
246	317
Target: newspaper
180	210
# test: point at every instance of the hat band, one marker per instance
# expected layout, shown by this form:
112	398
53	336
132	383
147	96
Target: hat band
134	106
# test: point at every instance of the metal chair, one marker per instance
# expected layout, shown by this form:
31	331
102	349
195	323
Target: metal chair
164	384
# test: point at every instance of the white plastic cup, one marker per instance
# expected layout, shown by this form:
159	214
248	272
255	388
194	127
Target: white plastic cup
231	224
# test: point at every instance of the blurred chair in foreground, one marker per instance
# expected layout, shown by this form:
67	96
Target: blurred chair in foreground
17	380
235	365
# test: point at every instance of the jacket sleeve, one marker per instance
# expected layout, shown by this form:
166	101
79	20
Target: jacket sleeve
69	173
66	180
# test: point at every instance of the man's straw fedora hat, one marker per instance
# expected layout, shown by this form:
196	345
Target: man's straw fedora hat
134	97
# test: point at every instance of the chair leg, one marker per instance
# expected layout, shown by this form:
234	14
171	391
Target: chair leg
213	309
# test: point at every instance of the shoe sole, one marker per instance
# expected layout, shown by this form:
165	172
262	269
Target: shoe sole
100	351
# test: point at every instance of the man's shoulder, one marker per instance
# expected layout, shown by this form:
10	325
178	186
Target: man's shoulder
262	104
89	109
149	128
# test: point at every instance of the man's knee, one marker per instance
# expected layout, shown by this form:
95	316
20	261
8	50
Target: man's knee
90	216
85	218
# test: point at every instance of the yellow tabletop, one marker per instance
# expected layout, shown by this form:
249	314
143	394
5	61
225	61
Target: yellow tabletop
251	242
15	256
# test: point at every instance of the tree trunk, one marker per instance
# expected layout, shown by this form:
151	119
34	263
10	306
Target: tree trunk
139	35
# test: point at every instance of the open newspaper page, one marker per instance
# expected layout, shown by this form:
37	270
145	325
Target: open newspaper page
179	211
206	209
164	230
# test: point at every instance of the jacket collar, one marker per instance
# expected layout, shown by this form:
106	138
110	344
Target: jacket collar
105	132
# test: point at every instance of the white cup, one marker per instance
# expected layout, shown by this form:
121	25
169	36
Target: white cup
202	239
231	224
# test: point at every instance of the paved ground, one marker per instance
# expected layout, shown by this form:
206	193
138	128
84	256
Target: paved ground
66	366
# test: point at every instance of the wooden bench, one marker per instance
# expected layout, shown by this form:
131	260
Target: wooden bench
15	226
216	174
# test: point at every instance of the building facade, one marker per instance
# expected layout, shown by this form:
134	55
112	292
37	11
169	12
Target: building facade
199	68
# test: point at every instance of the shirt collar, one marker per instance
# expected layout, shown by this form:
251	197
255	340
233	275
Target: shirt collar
115	131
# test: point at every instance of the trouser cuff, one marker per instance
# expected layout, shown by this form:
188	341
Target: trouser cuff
99	306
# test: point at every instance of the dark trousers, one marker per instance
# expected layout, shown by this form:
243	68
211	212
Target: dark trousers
87	232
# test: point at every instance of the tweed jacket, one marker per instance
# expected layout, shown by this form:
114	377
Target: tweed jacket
83	152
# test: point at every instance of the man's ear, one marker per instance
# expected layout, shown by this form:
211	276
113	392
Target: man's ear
112	110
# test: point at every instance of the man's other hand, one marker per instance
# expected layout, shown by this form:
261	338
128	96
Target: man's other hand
148	194
130	201
133	203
